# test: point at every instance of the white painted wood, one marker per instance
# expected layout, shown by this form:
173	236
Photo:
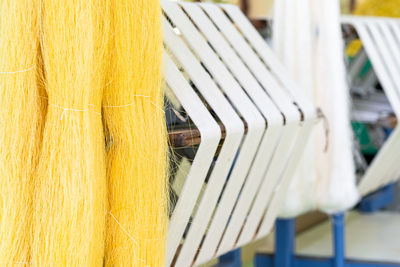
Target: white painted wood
389	40
234	131
379	172
210	133
280	192
237	87
268	57
282	151
387	56
223	212
390	47
240	75
246	50
381	42
266	107
266	209
385	163
255	130
377	61
395	27
264	104
253	216
255	65
256	126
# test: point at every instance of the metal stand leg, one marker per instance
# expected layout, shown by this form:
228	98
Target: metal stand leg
377	200
285	237
285	248
231	259
338	240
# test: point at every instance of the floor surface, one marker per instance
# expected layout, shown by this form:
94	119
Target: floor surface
374	237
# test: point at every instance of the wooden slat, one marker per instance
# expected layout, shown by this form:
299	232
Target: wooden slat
234	129
239	172
381	44
262	126
211	135
263	191
199	42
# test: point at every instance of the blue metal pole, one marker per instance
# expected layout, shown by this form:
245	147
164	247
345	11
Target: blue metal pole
285	236
285	247
378	199
339	259
231	259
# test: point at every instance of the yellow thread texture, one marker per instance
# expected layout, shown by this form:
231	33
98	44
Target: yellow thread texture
386	8
136	161
22	114
70	195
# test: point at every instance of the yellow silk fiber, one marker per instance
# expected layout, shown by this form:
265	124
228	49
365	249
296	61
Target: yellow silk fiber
22	112
136	161
70	195
385	8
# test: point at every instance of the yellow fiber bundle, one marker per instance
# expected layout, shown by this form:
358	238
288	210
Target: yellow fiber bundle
136	162
70	197
386	8
22	111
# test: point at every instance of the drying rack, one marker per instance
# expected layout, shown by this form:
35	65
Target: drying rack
249	126
380	38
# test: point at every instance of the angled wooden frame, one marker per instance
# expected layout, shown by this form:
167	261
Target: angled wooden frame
248	182
381	41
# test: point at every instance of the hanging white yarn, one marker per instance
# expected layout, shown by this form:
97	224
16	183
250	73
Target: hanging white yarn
293	42
337	182
307	38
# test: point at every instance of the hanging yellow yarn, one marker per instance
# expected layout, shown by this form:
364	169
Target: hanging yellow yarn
70	197
136	162
22	112
386	8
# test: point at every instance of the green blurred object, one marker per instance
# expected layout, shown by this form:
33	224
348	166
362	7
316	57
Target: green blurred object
361	131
